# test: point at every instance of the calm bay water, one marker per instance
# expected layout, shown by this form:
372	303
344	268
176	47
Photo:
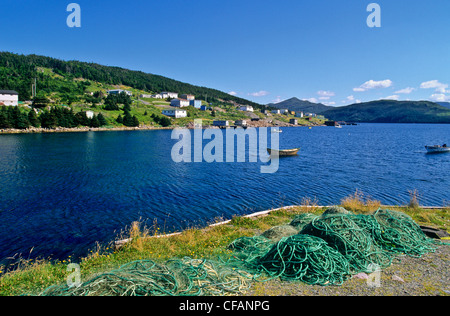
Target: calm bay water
60	193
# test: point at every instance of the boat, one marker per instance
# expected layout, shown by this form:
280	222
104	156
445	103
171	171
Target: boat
438	149
276	130
283	152
338	126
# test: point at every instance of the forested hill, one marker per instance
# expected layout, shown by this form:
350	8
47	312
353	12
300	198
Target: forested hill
390	111
17	72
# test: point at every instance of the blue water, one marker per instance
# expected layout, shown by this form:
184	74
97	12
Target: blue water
61	193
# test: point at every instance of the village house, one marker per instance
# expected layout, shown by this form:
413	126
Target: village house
179	103
246	108
299	114
119	91
221	123
172	95
187	97
176	113
276	111
9	98
241	123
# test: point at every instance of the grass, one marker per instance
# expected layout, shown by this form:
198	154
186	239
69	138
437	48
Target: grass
31	277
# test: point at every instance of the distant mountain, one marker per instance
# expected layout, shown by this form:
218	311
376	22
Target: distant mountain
390	111
294	104
445	104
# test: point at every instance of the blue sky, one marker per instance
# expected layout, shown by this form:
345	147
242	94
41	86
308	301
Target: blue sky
265	51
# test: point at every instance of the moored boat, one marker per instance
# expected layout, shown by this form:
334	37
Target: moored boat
283	152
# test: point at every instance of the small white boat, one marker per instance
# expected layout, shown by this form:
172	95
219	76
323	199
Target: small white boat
276	130
438	149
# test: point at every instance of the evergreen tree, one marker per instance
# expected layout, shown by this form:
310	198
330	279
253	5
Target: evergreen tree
119	119
33	119
94	122
101	119
136	122
4	121
20	120
165	121
128	119
48	120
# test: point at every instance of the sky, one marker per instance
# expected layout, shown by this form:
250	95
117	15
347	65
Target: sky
264	51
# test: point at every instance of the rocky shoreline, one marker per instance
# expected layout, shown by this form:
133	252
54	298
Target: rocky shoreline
37	130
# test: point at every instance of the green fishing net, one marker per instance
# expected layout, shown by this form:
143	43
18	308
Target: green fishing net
317	250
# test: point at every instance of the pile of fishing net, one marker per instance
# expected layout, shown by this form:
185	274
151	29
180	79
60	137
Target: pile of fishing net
317	250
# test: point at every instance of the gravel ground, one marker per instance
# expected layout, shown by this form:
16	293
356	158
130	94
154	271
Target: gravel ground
425	276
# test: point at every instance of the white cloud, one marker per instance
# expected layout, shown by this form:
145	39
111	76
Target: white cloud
407	90
440	97
261	93
232	92
329	103
392	97
323	93
435	84
371	84
350	98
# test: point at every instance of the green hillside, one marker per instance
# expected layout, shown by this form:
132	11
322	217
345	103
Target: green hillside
297	105
390	111
73	81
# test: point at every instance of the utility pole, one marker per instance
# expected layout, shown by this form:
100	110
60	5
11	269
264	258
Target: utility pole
33	88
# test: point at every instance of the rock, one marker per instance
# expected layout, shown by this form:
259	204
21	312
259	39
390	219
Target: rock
397	278
361	276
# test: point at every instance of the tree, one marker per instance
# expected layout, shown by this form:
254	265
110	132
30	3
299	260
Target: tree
20	120
119	119
101	119
136	122
82	119
48	120
40	102
165	121
94	122
4	121
33	119
128	119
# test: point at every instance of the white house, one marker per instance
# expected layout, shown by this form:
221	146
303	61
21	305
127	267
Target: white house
89	114
119	91
172	95
9	98
276	111
179	103
299	114
246	108
176	113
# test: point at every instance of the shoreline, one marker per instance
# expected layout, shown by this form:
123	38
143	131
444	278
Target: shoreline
84	129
